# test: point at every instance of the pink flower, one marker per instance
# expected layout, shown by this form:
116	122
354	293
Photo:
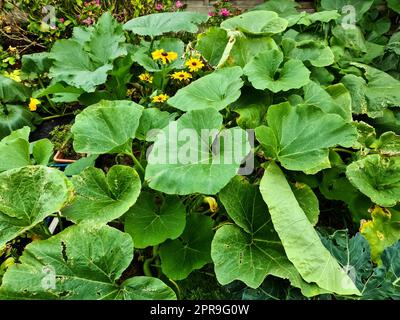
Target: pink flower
178	4
88	21
224	12
97	2
211	14
61	20
159	6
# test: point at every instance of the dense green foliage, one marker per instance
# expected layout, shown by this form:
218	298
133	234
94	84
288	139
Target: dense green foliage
261	153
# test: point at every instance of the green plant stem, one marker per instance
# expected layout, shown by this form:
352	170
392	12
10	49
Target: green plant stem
57	116
45	229
136	162
146	267
147	262
342	150
177	288
46	95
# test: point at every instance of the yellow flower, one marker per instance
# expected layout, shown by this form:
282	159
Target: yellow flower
194	64
7	29
12	49
212	203
146	77
165	57
181	75
15	75
160	98
33	103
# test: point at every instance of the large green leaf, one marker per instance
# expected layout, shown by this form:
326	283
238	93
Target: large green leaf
373	95
334	99
190	251
15	150
93	51
100	198
83	262
394	5
282	7
212	44
360	7
352	254
316	52
35	64
307	200
106	127
216	90
15	118
258	22
12	91
158	23
246	47
152	220
193	155
265	71
300	137
151	122
307	19
251	249
27	196
378	178
14	153
300	240
60	92
382	231
383	283
42	150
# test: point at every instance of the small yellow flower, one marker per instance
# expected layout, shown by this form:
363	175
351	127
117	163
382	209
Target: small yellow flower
12	49
160	98
194	64
146	77
165	57
7	29
15	75
33	103
212	203
181	75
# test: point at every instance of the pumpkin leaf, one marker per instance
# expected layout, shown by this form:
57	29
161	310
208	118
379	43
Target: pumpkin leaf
159	23
266	71
300	240
83	262
216	90
28	195
190	251
94	51
202	159
106	127
101	198
382	231
250	250
378	178
151	223
258	22
300	137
